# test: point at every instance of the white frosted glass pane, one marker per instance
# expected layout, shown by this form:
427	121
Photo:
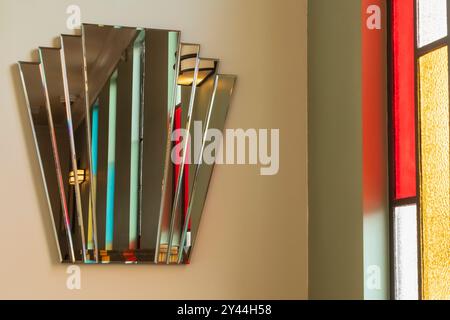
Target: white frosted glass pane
432	20
405	254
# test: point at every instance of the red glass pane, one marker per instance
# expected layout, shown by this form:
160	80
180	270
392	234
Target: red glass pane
186	187
177	140
177	167
404	98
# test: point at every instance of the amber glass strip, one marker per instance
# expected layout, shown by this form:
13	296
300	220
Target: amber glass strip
434	174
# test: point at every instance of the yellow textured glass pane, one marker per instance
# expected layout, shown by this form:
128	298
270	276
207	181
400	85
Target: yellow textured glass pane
435	174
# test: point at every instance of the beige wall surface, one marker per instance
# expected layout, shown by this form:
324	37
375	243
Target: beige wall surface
253	238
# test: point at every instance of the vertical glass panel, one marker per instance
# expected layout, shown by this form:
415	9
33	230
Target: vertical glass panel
185	97
121	88
42	133
138	50
201	106
104	51
72	70
432	20
405	253
210	151
123	152
158	90
111	162
107	75
403	112
435	174
94	152
62	121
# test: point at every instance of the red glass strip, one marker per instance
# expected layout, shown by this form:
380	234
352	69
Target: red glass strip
177	140
186	186
404	98
178	143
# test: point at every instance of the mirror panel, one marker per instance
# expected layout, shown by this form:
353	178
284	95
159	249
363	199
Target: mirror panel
215	119
105	53
33	85
184	102
64	151
188	144
161	69
73	80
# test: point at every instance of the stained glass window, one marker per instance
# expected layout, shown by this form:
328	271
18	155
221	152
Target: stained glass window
419	139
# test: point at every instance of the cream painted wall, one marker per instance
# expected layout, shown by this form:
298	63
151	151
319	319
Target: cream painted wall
253	238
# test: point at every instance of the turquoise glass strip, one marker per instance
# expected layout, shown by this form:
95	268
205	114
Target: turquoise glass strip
111	162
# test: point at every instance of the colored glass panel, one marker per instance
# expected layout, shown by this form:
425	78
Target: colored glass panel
405	253
138	48
94	152
178	143
435	174
432	20
404	98
111	163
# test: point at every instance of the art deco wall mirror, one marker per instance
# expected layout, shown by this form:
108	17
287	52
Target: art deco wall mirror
106	108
